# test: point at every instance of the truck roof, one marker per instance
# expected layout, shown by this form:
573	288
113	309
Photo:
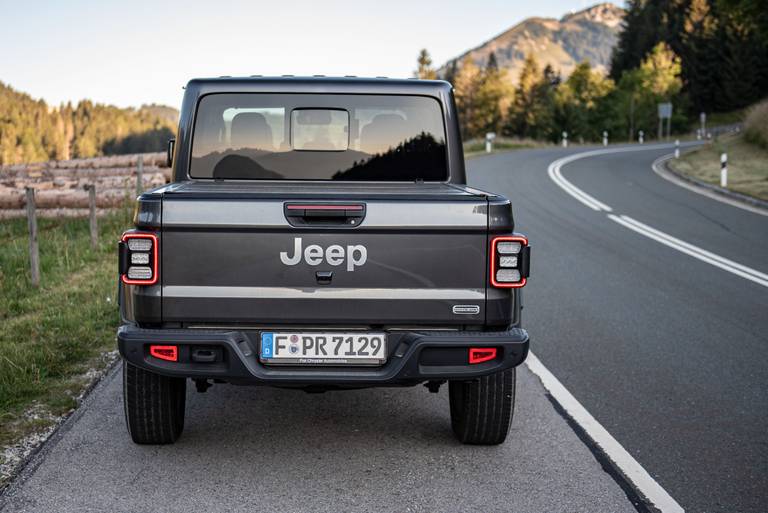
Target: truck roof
321	83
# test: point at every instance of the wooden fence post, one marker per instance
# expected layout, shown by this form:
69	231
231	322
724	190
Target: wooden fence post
94	226
34	256
139	175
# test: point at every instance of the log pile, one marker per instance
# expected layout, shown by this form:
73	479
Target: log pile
61	184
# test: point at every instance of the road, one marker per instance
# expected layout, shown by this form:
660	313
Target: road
664	350
246	449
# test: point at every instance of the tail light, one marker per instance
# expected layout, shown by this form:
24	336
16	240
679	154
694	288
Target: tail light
510	261
138	258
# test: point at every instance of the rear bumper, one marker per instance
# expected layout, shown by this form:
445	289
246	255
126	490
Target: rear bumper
414	357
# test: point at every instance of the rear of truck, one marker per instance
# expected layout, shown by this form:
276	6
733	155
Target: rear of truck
319	235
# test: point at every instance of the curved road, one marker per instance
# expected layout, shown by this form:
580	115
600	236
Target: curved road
668	352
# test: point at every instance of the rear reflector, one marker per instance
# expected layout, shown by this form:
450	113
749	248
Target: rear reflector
167	353
481	354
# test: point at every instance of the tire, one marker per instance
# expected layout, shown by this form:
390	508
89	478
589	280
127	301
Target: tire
154	405
481	410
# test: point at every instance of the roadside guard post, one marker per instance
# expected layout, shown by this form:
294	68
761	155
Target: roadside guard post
640	137
677	148
565	139
724	170
605	138
489	137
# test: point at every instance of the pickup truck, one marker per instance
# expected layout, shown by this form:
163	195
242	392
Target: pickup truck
318	234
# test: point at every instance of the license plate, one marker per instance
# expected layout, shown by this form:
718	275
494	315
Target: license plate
323	348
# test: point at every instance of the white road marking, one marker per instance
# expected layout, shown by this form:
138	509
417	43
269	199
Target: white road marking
643	229
691	250
554	173
629	466
659	170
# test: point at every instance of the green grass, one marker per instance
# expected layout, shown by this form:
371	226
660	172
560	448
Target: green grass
747	165
50	336
477	146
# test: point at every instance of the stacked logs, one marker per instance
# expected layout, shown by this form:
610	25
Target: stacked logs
61	184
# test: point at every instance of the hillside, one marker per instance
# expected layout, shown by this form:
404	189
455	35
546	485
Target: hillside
590	34
33	131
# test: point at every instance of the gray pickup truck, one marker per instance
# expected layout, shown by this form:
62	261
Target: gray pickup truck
319	234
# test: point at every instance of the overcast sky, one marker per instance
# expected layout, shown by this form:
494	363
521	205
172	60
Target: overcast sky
134	52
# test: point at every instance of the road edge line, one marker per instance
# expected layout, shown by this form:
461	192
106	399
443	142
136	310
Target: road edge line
629	468
659	167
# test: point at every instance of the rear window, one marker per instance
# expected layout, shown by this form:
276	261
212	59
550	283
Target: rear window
319	137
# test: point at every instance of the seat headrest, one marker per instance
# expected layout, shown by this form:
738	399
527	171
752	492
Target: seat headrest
251	130
384	131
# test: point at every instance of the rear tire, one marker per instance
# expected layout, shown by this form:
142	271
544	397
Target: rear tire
154	405
481	410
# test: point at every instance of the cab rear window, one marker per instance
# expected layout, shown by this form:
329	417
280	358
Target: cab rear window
256	136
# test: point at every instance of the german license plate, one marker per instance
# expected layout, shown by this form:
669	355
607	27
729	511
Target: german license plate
323	348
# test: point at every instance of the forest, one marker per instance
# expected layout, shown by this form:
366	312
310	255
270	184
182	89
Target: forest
33	131
701	55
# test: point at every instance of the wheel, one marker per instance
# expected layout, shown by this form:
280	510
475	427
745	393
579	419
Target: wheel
154	405
481	410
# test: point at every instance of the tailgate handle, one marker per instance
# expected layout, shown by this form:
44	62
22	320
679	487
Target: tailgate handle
324	214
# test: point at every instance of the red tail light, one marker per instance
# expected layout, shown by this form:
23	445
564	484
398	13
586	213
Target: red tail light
167	353
481	354
138	258
510	261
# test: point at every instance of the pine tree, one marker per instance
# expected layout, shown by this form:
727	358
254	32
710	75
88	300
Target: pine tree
465	85
492	99
425	69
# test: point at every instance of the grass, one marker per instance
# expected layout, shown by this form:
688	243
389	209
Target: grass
51	336
756	124
747	165
477	146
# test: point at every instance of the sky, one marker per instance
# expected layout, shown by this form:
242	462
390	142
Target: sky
135	52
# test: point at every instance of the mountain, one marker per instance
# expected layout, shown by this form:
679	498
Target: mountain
590	34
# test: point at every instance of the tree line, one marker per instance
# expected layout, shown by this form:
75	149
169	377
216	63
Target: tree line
33	131
700	55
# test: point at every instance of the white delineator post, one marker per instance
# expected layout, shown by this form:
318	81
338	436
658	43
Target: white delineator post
565	139
641	137
605	138
677	148
724	170
489	137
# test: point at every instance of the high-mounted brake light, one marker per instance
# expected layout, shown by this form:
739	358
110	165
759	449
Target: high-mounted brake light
138	258
481	354
167	353
510	261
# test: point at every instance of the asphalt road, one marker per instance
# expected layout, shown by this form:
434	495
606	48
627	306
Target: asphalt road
261	449
667	352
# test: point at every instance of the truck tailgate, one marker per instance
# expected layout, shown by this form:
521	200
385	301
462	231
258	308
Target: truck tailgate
229	255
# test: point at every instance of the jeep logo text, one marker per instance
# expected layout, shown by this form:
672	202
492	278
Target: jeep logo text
334	255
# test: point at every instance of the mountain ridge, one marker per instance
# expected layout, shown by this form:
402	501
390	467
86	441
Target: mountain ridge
588	34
